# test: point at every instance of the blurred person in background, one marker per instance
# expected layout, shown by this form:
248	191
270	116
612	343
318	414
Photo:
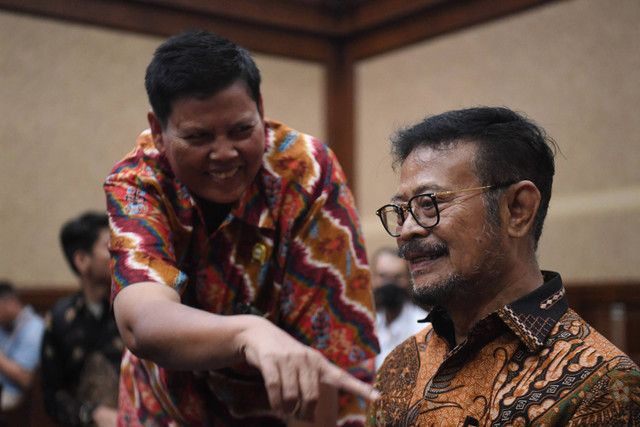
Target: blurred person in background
21	331
397	316
82	349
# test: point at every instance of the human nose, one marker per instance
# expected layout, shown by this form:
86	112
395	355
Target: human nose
222	149
411	228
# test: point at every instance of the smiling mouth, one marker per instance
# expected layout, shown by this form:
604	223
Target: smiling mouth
415	253
430	257
221	175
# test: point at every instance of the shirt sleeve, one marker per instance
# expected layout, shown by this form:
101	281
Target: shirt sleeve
27	347
144	229
613	401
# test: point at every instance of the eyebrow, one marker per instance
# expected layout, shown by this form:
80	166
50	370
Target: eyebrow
423	189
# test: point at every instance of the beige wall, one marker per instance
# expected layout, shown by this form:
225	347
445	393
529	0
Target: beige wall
72	103
573	67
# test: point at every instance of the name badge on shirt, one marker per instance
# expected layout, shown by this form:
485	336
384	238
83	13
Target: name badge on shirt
259	253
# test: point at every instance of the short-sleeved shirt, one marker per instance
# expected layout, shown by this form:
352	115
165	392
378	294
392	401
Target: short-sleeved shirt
533	362
22	345
291	250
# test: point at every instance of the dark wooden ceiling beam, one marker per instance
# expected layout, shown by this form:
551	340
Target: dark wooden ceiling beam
285	14
165	21
427	23
377	13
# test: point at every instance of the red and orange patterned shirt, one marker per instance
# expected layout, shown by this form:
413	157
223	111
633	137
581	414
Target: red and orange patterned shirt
291	250
534	362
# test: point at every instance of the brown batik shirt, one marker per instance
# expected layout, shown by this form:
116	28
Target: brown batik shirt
533	362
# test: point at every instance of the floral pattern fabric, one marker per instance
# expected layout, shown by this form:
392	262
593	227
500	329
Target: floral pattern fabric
534	362
291	250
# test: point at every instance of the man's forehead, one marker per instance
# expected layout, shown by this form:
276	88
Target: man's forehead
429	169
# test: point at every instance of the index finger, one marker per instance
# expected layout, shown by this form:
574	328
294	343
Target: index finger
340	379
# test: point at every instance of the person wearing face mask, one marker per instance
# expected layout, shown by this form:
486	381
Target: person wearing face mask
397	316
241	283
503	347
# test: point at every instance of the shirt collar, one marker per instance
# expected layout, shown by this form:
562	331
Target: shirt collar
531	317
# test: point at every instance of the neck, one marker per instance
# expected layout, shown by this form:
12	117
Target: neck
94	292
213	213
467	312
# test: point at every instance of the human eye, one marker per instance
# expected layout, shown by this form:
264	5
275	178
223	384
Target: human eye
196	137
242	131
423	202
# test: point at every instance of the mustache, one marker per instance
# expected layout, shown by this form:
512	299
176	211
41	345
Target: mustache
416	246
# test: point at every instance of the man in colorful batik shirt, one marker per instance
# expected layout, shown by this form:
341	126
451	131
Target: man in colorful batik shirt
503	348
241	284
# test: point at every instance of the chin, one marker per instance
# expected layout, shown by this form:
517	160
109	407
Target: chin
438	291
220	197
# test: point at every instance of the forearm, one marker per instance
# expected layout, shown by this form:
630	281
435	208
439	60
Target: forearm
156	326
15	372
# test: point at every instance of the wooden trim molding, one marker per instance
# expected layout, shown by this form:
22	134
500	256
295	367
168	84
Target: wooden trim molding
612	308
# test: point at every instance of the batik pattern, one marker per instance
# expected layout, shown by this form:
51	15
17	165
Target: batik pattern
532	363
291	249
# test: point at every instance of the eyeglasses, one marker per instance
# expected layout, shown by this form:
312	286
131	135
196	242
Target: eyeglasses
423	209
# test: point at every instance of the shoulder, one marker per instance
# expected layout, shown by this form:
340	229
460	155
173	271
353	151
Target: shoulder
35	322
580	348
144	161
572	327
64	309
296	157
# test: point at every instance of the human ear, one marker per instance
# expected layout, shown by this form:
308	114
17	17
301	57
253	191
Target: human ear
81	260
156	130
523	202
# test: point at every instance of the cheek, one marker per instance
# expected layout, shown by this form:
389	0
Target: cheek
187	160
253	154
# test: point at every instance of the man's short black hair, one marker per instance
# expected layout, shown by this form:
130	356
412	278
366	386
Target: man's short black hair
7	290
81	234
197	63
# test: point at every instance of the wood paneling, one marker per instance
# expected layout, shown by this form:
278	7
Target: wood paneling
613	309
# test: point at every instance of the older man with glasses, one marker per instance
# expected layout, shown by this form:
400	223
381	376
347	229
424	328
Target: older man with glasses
503	347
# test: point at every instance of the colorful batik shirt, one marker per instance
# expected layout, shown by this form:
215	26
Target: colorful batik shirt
533	362
291	249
